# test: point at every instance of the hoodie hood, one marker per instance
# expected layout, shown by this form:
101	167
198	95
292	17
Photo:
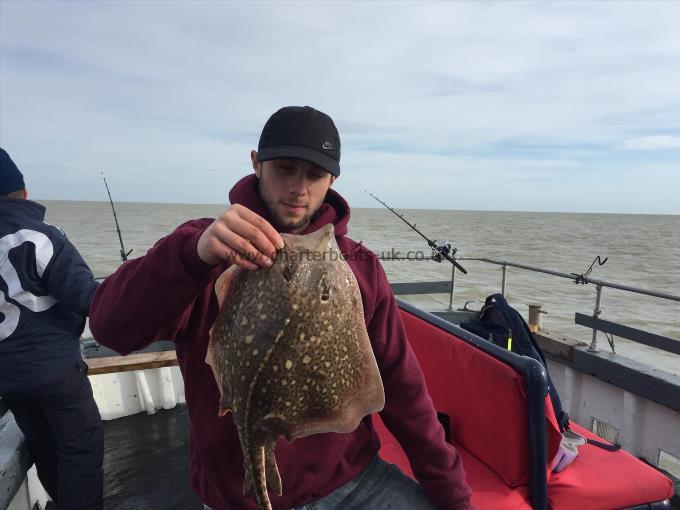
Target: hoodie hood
334	209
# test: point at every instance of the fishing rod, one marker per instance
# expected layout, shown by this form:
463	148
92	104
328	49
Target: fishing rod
439	249
123	254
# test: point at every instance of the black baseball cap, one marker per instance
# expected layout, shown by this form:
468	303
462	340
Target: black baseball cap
301	132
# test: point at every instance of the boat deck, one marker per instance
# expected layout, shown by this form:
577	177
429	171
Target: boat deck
146	462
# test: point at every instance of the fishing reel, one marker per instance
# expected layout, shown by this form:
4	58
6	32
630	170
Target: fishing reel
441	249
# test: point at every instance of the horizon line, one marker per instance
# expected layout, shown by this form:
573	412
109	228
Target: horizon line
374	208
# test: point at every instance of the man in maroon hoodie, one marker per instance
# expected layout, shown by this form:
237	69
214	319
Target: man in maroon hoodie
169	294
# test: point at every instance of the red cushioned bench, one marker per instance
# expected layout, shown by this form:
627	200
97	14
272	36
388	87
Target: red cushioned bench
502	422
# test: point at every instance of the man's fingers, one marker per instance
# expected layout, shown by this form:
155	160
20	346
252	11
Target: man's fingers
242	237
253	235
239	260
263	226
240	246
227	254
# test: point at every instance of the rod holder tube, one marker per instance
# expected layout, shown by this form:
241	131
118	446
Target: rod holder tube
535	317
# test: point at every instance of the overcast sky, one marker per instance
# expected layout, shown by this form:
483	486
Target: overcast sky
571	106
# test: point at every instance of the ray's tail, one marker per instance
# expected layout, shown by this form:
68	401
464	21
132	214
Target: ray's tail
257	463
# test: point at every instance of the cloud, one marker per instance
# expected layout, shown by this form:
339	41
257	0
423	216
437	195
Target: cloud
530	92
652	143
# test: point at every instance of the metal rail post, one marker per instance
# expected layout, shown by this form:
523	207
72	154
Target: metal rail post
453	286
596	313
505	272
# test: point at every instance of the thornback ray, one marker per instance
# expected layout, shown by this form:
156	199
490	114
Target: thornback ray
290	353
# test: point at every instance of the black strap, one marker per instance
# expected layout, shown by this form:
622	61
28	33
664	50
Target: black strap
604	446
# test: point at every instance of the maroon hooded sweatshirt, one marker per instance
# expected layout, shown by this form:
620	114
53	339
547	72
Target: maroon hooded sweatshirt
169	294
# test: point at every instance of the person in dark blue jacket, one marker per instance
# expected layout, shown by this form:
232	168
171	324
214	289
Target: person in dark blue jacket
45	293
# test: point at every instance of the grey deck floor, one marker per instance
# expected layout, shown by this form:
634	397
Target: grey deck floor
146	462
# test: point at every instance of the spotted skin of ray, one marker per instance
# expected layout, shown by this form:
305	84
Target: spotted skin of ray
290	353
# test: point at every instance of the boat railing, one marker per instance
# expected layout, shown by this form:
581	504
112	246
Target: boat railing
591	321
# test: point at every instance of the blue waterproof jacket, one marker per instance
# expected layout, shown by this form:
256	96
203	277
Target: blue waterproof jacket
45	293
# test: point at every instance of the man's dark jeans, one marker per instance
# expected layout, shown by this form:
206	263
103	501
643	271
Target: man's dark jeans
381	486
64	433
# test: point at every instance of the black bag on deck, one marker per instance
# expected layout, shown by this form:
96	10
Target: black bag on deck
504	326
